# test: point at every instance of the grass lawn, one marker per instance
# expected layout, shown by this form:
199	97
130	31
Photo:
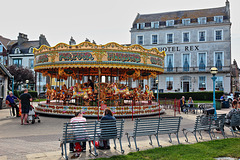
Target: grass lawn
37	100
198	101
204	150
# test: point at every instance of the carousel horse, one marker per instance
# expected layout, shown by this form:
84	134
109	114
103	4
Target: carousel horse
49	92
64	93
148	93
119	91
58	93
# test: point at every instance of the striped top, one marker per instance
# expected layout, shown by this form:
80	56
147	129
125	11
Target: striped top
77	119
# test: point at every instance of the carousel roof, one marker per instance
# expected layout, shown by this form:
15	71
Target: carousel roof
64	57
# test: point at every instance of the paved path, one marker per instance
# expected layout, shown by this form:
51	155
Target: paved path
41	140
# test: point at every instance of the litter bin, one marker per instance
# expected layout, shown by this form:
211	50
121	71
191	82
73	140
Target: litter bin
218	104
1	101
225	104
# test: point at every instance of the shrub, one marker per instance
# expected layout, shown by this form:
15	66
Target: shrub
195	95
34	94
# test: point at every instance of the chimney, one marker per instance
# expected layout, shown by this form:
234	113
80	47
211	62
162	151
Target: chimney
228	9
22	38
72	41
42	40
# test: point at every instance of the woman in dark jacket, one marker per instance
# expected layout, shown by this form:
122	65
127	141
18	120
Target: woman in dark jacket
109	130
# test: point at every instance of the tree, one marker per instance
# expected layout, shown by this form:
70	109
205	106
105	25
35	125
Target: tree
21	74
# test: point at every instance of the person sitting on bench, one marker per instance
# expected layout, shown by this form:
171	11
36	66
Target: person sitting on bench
10	98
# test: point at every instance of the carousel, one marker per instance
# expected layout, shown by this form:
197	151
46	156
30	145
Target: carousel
94	77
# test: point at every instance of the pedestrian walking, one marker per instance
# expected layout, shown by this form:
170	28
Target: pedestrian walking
25	99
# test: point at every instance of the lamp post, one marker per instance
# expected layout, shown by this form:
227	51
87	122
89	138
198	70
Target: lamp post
27	81
214	71
157	88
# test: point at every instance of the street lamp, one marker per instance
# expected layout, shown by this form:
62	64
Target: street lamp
157	88
214	71
27	81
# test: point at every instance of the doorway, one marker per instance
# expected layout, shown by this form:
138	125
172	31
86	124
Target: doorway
185	86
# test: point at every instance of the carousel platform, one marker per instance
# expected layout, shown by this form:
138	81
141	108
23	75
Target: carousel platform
128	110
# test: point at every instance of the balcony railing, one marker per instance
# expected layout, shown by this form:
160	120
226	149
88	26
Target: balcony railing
194	70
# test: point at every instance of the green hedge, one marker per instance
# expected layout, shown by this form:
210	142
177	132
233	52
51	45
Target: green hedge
195	95
34	94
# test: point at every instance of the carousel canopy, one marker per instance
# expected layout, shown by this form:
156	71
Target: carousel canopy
86	58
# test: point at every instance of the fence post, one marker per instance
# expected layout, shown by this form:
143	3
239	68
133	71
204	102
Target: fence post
175	107
179	107
132	110
165	101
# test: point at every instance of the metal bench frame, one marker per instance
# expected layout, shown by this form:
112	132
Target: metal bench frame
144	127
91	131
198	127
235	121
169	125
154	127
218	123
79	132
109	133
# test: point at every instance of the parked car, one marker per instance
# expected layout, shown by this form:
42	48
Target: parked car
229	97
236	94
42	95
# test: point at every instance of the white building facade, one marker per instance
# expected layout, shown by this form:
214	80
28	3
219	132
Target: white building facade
194	41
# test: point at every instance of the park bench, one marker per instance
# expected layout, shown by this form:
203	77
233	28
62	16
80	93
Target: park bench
111	129
198	107
153	127
218	123
235	121
92	131
79	132
202	123
143	127
169	125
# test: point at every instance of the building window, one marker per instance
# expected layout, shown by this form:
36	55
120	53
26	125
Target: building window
186	21
218	35
31	63
186	37
154	39
219	60
17	51
153	84
169	83
140	40
170	38
30	50
140	25
17	62
202	20
169	62
169	23
186	62
219	84
202	83
1	47
202	61
202	36
154	24
218	19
